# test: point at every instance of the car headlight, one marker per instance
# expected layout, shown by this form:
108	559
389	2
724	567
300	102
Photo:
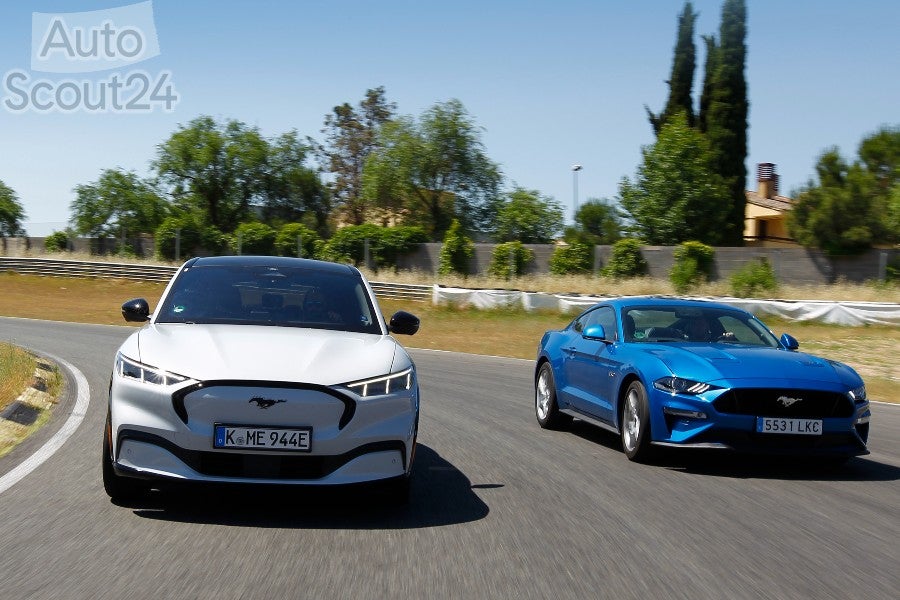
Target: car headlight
858	394
382	386
132	369
678	385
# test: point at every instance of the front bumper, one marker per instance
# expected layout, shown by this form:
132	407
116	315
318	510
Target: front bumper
161	433
686	421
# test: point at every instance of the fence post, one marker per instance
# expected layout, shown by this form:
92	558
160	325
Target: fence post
178	245
299	245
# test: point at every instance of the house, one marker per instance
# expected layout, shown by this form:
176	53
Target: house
765	214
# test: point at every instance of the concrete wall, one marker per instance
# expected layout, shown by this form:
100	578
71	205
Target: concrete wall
795	265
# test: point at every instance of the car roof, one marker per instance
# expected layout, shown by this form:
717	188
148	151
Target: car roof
666	301
272	261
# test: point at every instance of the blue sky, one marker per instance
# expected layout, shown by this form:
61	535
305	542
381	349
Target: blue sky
551	83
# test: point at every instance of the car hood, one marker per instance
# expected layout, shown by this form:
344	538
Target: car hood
251	352
712	363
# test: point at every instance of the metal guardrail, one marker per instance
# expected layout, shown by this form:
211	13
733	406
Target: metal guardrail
162	273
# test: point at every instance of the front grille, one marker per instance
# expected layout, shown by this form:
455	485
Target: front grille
229	463
781	402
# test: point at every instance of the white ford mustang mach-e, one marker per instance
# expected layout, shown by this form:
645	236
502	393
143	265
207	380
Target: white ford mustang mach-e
263	370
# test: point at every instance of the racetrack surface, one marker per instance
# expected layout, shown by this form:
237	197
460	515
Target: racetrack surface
499	509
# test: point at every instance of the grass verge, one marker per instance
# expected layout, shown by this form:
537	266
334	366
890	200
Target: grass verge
19	372
870	349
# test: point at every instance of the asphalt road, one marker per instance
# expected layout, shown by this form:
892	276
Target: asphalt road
499	509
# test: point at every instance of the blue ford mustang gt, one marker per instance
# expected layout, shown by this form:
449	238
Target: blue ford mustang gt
688	373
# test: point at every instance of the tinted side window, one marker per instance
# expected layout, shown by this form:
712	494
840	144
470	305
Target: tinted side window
606	317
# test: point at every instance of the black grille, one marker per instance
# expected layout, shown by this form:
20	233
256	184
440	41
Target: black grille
221	463
780	402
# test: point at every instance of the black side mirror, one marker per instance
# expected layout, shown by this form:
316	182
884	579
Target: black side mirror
136	311
403	323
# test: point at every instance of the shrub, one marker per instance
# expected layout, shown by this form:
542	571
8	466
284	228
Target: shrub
348	244
626	260
311	245
456	251
394	242
195	238
58	241
509	260
693	266
753	279
892	270
386	244
253	238
575	258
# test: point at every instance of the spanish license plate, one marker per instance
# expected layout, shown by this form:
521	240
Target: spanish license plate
298	439
789	426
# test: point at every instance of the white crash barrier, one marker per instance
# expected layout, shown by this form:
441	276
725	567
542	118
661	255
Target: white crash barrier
840	313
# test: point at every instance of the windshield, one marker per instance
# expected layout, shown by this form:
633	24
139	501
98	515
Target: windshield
695	324
264	295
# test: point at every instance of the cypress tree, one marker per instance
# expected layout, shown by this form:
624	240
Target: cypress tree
709	69
681	80
726	116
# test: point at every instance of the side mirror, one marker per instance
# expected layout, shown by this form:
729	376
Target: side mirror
789	342
594	332
136	311
403	323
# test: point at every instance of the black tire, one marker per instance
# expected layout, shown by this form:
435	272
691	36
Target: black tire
118	488
545	407
635	423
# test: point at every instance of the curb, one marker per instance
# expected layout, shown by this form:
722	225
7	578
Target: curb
28	407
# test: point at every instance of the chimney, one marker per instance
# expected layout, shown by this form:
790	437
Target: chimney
767	180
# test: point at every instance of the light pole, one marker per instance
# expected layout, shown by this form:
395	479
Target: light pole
575	169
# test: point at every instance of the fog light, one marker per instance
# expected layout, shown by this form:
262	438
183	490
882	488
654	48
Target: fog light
686	414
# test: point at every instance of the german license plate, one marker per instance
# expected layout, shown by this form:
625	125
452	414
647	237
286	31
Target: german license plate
297	439
789	426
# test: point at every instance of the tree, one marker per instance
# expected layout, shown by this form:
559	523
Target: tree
596	222
215	169
725	119
11	213
350	137
528	217
709	69
681	81
677	195
293	192
119	203
433	170
852	206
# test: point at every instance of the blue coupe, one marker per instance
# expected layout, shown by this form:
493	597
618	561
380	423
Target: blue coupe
695	374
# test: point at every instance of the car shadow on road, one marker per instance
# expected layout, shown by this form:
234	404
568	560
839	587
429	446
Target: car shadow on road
723	463
440	495
741	466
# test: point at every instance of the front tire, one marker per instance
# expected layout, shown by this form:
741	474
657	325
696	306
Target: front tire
545	407
635	429
118	488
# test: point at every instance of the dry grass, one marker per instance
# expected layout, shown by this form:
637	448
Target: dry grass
872	350
16	373
604	286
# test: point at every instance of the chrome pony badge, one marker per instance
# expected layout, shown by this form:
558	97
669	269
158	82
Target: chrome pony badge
787	401
265	402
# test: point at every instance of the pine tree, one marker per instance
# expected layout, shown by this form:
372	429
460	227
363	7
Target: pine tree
726	115
681	80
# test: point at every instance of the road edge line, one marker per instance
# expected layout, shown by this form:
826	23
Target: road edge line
72	423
